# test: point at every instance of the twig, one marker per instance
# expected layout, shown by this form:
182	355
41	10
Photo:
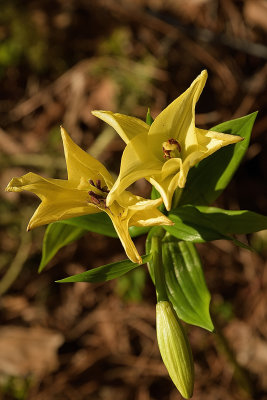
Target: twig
19	260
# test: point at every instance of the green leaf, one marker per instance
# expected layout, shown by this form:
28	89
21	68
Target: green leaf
105	272
138	230
209	178
192	226
101	223
57	235
149	119
203	224
185	282
98	223
235	222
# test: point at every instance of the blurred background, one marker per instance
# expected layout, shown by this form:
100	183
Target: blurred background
59	60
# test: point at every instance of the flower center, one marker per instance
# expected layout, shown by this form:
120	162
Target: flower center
99	199
171	149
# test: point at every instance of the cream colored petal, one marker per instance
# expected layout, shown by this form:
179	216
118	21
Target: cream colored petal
48	211
122	229
81	164
171	167
165	187
209	142
167	181
137	162
212	141
59	199
177	121
127	127
129	201
37	184
148	217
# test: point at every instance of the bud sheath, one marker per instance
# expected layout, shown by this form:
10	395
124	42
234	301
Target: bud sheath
175	349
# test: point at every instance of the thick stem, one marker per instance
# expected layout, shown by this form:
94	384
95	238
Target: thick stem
176	197
158	268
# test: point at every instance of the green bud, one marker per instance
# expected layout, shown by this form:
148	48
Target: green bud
175	349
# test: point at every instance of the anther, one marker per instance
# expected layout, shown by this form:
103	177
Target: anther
171	148
97	199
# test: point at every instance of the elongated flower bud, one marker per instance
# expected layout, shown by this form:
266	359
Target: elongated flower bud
175	349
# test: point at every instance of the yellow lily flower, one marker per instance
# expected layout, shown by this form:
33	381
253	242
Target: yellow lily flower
85	192
164	152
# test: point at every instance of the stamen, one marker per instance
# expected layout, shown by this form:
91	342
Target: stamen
171	148
97	185
176	143
96	198
104	189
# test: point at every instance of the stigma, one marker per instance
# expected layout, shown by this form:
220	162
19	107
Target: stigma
171	149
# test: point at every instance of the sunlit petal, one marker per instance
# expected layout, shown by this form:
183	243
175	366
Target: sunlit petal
177	121
136	163
210	141
81	164
122	228
127	127
85	192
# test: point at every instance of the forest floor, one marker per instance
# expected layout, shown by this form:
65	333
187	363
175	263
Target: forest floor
58	61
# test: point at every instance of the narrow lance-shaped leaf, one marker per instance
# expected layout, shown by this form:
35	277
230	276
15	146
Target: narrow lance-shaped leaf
56	236
105	272
98	223
235	221
101	223
192	225
62	233
149	119
186	286
185	282
209	178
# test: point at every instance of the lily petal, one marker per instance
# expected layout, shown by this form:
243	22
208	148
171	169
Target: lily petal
166	187
59	199
177	121
84	193
122	229
149	218
127	127
136	163
81	164
210	141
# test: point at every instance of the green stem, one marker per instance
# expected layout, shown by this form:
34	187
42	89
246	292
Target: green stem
158	268
176	197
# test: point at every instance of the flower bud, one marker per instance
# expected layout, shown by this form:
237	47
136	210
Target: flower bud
175	349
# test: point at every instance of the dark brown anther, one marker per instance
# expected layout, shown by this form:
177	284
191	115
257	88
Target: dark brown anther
174	141
105	189
171	149
91	182
98	184
166	153
97	199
